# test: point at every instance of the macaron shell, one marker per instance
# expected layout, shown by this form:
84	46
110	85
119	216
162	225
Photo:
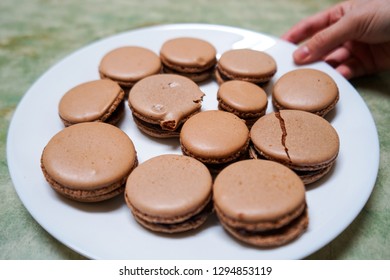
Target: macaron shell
186	53
169	187
214	135
243	96
129	64
243	63
254	191
305	89
301	139
89	156
89	101
165	99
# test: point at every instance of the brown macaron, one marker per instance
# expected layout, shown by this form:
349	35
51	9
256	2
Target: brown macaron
89	162
246	65
93	101
260	202
305	89
162	103
246	100
304	142
170	193
127	65
191	57
216	138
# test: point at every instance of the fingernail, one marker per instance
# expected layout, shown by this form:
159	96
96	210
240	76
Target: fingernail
301	54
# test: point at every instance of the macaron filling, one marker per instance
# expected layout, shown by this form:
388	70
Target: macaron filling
174	224
273	237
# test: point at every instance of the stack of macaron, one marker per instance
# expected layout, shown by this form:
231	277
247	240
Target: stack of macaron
170	193
302	141
89	162
307	90
249	166
245	65
160	104
191	57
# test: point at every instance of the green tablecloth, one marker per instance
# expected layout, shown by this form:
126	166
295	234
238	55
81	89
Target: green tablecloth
36	34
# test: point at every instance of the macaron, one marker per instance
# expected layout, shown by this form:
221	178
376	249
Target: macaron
261	202
127	65
162	103
170	193
192	57
244	99
302	141
215	137
93	101
246	65
304	89
89	162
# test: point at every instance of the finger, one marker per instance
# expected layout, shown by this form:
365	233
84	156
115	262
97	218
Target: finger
311	25
351	69
323	42
338	56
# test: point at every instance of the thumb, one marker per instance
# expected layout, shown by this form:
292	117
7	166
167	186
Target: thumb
323	42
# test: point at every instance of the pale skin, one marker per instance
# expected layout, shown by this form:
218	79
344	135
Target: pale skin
352	36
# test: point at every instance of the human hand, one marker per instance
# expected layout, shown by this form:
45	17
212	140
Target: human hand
352	36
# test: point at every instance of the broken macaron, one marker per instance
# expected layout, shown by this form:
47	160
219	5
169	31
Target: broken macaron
302	141
162	103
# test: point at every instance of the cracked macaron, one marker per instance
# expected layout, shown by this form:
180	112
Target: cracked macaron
304	89
89	162
302	141
246	65
216	138
162	103
246	100
261	202
170	193
127	65
93	101
191	57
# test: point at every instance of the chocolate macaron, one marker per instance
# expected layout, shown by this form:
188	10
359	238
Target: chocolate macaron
216	138
89	162
162	103
127	65
309	90
170	193
303	141
246	65
191	57
98	100
260	202
246	100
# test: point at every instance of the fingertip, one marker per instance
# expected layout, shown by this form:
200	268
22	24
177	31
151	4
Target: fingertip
345	71
287	37
301	55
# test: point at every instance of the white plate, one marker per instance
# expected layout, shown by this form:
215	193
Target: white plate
108	230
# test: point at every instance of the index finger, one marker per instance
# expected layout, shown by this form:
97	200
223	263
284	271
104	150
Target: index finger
307	27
